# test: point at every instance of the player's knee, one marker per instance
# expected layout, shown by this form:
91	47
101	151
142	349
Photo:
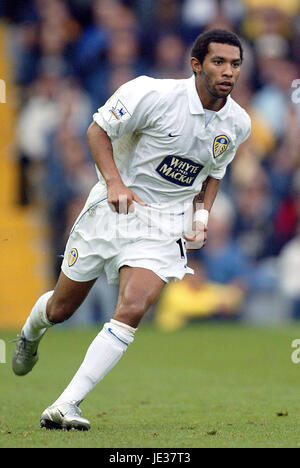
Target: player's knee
58	312
131	311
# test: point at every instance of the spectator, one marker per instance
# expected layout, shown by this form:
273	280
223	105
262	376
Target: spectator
37	119
198	15
254	204
170	58
224	259
195	298
274	99
289	268
53	102
47	44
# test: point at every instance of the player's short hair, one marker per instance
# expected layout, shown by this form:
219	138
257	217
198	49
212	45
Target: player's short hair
221	36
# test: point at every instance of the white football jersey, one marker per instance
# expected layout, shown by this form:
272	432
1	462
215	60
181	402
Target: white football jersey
162	146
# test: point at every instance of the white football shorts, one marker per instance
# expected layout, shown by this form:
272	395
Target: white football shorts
103	241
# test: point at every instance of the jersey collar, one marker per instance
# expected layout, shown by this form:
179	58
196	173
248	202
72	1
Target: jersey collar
224	112
195	103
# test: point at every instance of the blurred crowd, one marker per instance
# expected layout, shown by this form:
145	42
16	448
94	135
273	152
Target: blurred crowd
70	56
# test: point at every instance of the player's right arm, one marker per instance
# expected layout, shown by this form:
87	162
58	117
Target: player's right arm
127	111
119	196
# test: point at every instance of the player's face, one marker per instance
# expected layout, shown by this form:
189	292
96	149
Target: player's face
220	69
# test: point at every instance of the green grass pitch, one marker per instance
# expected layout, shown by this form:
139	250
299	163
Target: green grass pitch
208	385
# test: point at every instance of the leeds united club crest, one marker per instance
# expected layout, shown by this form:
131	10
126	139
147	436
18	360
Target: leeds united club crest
221	143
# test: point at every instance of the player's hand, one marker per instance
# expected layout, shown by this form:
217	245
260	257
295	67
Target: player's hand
197	238
120	198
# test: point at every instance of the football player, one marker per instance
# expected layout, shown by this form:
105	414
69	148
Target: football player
161	148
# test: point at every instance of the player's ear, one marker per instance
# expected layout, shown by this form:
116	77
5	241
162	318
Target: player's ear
196	65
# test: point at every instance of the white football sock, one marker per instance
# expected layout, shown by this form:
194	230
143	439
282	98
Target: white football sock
102	355
37	322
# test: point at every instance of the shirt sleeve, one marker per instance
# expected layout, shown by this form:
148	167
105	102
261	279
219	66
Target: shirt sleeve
129	109
242	135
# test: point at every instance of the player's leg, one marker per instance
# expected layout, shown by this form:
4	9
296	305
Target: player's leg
138	290
68	295
51	308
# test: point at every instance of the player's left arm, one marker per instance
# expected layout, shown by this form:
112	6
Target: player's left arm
202	205
205	199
